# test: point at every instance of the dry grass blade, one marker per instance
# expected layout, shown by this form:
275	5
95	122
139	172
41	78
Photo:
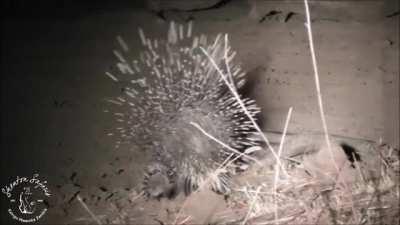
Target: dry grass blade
317	83
242	105
277	169
222	143
94	217
319	95
253	202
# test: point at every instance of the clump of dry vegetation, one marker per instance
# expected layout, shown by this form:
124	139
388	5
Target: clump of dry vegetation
365	194
362	192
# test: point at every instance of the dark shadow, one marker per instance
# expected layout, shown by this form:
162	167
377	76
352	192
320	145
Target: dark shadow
351	153
253	77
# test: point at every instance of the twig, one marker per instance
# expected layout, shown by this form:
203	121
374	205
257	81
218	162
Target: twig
181	209
94	217
185	220
137	197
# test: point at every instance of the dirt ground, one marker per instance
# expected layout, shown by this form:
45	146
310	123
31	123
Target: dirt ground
54	87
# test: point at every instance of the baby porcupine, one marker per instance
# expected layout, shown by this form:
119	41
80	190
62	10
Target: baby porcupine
173	87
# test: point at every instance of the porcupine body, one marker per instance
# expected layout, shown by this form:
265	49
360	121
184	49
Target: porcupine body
174	86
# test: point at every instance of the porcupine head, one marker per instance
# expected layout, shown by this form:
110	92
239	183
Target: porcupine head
179	108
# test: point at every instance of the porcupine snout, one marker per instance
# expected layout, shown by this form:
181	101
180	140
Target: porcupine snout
187	160
157	183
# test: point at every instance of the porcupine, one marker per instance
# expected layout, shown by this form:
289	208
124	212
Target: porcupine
175	87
